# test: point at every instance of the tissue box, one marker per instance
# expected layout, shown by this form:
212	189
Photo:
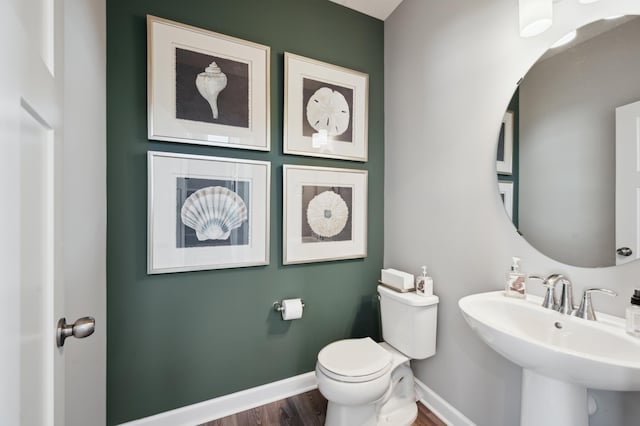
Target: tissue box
398	280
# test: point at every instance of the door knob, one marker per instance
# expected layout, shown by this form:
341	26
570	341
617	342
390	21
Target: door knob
82	328
624	251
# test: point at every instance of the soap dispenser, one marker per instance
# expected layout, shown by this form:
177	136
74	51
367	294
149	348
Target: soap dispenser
424	284
633	315
515	286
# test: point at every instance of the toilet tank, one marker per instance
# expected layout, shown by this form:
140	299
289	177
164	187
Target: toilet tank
409	322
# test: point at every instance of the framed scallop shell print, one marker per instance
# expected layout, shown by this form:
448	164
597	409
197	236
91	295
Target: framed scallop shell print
325	214
206	212
325	109
206	88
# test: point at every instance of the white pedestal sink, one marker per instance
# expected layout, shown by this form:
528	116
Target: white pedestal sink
561	355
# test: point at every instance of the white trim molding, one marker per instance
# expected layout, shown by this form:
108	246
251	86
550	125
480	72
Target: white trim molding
231	404
441	408
237	402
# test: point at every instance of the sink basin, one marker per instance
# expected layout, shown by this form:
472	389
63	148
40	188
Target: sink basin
595	354
560	355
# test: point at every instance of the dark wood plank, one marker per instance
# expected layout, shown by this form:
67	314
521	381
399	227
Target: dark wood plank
306	409
427	418
312	408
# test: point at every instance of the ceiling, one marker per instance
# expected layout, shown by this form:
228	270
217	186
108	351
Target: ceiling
380	9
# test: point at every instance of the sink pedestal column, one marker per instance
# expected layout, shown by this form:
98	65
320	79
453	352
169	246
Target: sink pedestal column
551	402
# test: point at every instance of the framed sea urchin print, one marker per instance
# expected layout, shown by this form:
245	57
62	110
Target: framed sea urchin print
206	212
206	88
324	214
325	109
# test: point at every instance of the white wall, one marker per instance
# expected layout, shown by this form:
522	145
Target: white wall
450	70
567	146
85	206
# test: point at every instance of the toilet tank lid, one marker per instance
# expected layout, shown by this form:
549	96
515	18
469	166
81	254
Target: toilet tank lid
409	298
354	357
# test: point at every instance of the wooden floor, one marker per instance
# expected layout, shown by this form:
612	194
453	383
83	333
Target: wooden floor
307	409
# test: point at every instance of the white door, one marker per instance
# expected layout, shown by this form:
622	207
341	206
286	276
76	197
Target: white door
627	183
36	375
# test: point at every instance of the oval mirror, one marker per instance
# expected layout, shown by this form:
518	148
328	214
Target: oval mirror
569	148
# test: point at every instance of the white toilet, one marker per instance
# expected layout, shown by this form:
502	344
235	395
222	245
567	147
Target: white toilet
369	383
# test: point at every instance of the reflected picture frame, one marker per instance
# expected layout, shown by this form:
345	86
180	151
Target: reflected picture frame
326	109
206	88
206	212
504	155
505	189
324	214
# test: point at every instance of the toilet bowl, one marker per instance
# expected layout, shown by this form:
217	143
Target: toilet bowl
359	392
368	383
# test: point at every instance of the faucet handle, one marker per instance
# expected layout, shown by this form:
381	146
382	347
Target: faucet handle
550	300
586	306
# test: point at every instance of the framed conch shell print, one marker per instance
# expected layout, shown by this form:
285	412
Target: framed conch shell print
206	212
325	110
325	214
206	88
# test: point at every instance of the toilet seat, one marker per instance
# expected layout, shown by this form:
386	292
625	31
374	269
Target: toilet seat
354	360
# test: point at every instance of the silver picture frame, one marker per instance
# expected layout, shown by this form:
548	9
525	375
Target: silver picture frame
206	88
505	189
206	212
504	152
324	214
326	109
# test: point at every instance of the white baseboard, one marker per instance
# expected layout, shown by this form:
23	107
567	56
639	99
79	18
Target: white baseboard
231	404
441	408
227	405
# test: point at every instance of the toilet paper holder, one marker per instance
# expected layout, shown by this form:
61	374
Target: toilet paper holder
277	305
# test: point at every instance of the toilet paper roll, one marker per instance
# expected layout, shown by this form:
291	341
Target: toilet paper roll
291	309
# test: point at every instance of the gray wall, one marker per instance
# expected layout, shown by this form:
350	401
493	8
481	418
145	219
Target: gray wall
450	70
567	146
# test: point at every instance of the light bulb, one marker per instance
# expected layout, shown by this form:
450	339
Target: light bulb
536	16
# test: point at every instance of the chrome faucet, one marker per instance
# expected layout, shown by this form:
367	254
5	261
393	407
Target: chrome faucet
565	305
566	294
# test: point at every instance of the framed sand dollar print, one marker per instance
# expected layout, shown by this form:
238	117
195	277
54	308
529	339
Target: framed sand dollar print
325	110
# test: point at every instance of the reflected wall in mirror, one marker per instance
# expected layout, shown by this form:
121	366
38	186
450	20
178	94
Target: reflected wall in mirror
569	206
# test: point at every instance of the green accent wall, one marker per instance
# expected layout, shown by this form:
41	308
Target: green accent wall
178	339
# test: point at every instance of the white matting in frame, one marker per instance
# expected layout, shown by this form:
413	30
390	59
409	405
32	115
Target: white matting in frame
325	110
206	212
505	188
206	88
324	214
